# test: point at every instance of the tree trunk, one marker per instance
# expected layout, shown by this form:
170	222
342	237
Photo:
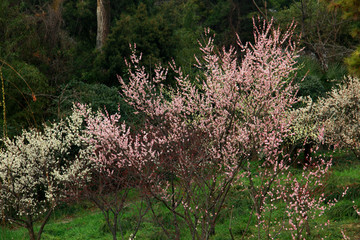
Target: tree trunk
30	228
307	154
56	5
114	227
103	22
173	205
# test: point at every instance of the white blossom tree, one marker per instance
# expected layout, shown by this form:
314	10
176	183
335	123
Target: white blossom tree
337	115
36	167
306	127
340	113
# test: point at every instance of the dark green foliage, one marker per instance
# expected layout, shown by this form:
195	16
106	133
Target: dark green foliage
279	4
34	54
153	37
311	86
80	20
25	104
164	31
313	81
17	33
99	96
324	34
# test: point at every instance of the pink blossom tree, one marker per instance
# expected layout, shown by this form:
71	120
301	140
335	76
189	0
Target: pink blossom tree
198	137
116	154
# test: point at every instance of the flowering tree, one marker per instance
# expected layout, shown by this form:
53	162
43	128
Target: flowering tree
306	126
340	112
336	114
117	155
198	137
35	168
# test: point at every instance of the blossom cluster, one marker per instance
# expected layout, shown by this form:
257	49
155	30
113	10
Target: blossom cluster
305	123
37	165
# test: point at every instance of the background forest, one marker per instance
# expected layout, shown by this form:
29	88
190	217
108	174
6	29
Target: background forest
49	50
54	53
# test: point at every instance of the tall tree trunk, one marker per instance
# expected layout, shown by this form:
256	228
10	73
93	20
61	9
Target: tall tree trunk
103	22
56	5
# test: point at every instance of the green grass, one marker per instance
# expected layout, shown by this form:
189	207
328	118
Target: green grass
83	221
70	222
